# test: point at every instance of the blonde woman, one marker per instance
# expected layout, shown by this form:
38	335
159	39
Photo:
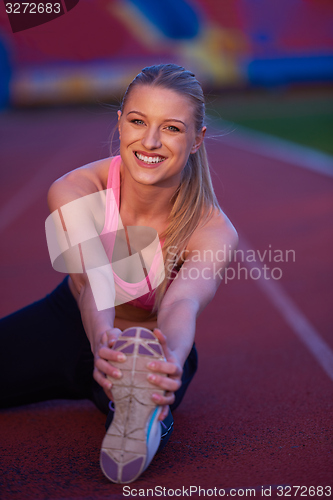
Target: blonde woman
138	352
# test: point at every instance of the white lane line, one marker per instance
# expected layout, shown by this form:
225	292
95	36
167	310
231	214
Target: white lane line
300	325
273	147
35	187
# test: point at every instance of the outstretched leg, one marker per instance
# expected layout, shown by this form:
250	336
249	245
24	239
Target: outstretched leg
44	352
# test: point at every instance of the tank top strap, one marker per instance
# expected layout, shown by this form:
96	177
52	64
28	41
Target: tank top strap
112	196
114	178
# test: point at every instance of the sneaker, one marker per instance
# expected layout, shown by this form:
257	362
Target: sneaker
134	435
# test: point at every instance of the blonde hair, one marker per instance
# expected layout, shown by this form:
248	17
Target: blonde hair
194	199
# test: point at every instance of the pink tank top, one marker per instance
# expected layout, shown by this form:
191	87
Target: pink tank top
108	235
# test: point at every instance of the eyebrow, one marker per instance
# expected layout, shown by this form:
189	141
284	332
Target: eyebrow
167	120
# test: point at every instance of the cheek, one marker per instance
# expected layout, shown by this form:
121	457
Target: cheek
185	147
130	135
180	144
125	136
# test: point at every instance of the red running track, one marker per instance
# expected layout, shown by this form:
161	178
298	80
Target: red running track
259	411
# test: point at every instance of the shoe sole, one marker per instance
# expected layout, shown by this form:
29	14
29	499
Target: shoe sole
124	448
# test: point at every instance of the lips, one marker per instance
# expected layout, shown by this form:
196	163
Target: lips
149	158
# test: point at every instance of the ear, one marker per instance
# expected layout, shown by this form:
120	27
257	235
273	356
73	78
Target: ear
119	113
198	140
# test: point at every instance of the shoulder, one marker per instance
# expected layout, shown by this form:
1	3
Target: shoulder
79	182
217	232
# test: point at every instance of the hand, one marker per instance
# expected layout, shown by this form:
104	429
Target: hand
170	381
103	353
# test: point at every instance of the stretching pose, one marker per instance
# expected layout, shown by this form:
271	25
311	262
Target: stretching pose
133	232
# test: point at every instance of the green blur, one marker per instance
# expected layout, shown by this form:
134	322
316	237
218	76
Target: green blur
302	116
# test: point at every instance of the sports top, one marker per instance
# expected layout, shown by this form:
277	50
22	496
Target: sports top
142	291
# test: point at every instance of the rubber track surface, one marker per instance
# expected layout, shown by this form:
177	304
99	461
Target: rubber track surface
259	411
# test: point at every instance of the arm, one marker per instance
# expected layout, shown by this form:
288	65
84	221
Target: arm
75	221
186	298
101	333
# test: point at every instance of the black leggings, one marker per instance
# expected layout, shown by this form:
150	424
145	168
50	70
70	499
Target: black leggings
45	354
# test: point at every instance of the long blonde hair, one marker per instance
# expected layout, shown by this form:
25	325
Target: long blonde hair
194	199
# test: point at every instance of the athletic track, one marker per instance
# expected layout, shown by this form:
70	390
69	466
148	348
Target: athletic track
259	412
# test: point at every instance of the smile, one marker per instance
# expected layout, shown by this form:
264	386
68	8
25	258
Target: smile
150	160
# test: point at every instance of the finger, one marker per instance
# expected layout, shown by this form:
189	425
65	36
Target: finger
160	336
108	392
102	380
167	399
111	355
164	412
104	339
112	335
165	383
165	367
163	341
106	368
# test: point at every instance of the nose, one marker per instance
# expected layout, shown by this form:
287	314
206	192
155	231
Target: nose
151	139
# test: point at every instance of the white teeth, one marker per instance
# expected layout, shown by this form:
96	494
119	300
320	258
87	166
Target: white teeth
149	159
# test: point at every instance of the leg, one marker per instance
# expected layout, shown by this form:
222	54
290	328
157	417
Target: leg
189	370
45	353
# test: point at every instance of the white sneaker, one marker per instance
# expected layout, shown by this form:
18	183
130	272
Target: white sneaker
134	435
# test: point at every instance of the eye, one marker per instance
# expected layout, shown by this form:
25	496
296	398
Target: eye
136	121
172	128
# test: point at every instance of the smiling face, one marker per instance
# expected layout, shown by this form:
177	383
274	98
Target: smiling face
157	135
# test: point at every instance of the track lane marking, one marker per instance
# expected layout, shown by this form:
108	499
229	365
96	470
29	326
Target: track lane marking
294	317
274	147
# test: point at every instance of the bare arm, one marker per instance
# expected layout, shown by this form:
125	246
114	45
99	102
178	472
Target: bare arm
63	198
101	333
186	298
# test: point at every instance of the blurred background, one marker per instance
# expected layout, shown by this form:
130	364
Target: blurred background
260	61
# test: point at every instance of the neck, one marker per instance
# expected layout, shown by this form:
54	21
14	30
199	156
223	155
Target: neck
142	202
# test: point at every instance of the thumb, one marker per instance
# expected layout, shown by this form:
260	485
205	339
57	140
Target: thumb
104	338
161	337
112	336
163	341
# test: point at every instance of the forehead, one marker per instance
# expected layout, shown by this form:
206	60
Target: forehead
159	102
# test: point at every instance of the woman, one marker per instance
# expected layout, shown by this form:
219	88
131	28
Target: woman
160	181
